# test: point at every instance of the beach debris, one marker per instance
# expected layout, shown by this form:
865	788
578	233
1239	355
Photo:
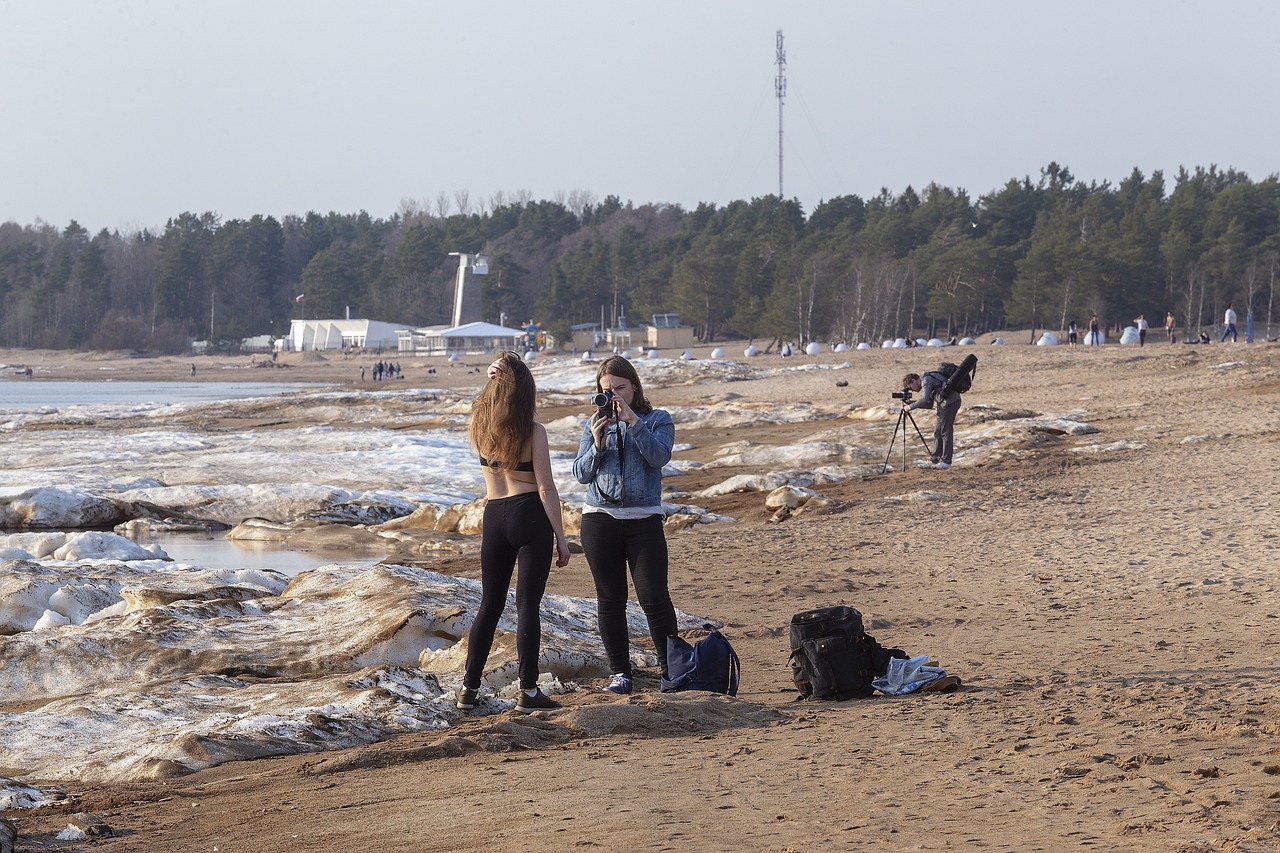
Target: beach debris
83	826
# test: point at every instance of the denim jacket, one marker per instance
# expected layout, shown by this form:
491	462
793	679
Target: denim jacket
646	450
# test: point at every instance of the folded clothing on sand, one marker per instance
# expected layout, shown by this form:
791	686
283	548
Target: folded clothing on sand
908	676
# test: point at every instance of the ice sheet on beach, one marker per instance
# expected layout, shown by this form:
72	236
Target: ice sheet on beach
111	646
163	668
386	454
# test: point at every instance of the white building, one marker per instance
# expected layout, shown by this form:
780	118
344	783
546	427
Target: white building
467	339
341	334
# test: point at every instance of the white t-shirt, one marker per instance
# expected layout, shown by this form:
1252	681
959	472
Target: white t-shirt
1231	317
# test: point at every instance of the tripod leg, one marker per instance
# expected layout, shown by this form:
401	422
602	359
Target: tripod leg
905	415
884	469
923	441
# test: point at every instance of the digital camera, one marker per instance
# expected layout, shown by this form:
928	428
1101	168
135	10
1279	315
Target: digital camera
904	395
603	401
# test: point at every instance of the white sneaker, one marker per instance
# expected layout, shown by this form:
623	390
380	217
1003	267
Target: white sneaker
925	463
942	466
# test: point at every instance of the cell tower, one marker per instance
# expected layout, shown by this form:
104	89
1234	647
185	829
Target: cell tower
780	87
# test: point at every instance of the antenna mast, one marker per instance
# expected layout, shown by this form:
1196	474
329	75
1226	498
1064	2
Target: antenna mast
780	87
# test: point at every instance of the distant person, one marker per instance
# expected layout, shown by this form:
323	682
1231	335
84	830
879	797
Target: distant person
944	429
362	373
522	526
1204	337
193	370
624	447
1169	326
1095	331
1229	325
1073	334
1141	323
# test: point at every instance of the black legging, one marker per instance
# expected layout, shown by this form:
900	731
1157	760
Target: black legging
516	529
610	545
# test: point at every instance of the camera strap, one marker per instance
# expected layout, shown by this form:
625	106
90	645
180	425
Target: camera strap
619	437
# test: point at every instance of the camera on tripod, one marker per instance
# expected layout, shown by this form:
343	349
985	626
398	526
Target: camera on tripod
603	401
904	395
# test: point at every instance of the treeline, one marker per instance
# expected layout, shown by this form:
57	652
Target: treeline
1038	253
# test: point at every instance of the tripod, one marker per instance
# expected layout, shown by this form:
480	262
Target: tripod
903	417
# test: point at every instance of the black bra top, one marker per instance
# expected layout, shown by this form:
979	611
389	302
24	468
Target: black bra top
523	466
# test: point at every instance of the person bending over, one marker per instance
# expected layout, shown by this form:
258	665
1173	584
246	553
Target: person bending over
944	431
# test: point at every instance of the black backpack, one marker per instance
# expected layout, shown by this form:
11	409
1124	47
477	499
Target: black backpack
962	383
832	657
959	376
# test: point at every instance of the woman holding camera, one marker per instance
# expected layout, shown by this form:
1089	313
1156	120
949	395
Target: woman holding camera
522	525
624	448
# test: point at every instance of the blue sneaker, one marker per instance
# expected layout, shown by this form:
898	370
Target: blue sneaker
620	684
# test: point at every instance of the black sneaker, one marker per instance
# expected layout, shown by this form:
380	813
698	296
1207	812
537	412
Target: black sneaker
466	698
539	701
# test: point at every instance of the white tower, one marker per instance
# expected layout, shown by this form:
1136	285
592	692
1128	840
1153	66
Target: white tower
466	306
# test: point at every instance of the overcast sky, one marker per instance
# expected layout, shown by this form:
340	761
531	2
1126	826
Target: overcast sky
124	113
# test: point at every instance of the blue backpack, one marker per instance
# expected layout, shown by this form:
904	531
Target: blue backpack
709	664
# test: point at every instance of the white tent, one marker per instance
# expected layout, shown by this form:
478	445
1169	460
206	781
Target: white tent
340	334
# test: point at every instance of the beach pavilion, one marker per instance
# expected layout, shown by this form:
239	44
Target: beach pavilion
467	339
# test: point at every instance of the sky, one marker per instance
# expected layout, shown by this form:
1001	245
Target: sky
121	114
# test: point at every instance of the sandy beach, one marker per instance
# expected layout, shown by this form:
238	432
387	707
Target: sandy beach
1110	602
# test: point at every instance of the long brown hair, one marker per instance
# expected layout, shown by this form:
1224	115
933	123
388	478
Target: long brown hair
502	417
616	365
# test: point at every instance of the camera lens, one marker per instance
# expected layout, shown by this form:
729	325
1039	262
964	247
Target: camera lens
600	400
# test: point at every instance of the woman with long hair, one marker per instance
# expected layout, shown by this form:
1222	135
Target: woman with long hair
522	525
620	459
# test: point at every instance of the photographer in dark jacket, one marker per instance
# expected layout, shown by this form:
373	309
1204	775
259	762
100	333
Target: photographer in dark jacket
944	432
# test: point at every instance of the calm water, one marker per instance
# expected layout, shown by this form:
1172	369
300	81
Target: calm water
216	552
17	394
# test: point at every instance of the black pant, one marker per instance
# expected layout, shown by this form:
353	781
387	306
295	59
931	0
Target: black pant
611	545
516	529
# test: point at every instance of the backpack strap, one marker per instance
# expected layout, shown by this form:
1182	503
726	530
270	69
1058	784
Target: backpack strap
735	669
